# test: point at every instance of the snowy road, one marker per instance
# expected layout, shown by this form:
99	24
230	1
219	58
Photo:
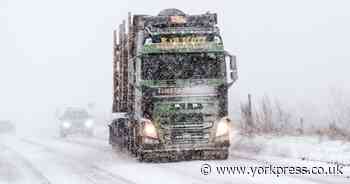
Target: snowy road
76	160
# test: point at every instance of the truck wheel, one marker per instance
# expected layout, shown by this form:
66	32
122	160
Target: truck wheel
144	157
223	155
140	156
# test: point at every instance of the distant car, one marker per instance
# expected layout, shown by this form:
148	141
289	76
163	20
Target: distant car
76	121
7	127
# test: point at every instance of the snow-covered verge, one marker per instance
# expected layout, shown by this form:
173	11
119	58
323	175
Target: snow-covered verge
298	147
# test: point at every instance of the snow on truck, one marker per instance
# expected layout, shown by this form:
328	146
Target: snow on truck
171	80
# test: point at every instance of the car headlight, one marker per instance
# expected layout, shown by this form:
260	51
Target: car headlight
89	123
149	129
223	127
66	125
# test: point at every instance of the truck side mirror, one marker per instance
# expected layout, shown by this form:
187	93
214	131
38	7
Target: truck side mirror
231	68
233	65
233	75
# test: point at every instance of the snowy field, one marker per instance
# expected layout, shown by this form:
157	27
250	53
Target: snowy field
298	147
80	160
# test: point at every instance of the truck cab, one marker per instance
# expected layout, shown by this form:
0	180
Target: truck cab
172	79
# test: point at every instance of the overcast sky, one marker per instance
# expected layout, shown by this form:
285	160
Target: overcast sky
58	53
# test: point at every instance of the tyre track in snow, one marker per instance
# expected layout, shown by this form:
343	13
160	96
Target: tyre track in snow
101	147
307	178
92	172
85	144
194	178
41	178
181	172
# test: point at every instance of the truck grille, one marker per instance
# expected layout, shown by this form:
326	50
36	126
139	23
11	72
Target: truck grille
190	124
183	136
186	121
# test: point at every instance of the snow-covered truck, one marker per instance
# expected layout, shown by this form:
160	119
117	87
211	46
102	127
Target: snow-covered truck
171	78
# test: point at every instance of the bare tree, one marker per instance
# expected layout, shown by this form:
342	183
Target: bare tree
266	117
339	109
247	117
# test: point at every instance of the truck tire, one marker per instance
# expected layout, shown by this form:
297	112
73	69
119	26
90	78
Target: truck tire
223	155
140	156
145	157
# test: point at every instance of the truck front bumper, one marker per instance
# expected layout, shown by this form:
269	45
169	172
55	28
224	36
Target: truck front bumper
184	151
186	147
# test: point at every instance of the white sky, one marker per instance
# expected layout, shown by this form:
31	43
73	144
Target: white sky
56	53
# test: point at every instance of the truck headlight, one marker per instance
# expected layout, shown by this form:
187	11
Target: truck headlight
149	129
148	41
89	123
217	40
223	127
66	124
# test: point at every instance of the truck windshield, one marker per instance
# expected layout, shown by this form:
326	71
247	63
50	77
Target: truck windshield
182	66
